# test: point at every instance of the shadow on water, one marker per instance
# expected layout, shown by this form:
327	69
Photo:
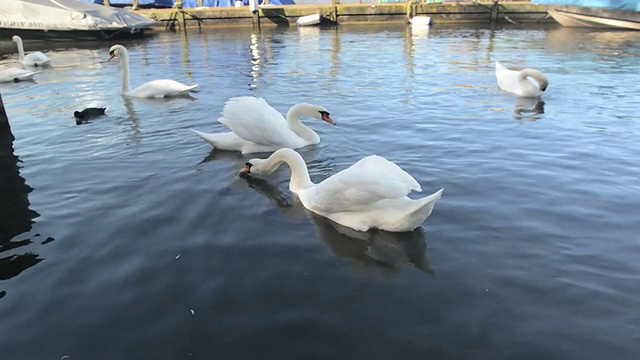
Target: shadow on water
15	216
380	254
528	109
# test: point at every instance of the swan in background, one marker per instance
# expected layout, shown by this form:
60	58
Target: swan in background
35	58
257	127
518	82
16	75
371	194
152	89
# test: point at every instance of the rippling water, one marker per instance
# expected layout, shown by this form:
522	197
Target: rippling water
129	238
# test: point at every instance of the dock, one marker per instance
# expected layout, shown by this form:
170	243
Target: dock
270	15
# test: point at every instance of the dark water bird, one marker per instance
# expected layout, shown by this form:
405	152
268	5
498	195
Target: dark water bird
88	114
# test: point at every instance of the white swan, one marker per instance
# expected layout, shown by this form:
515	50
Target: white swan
372	193
257	127
16	75
517	82
151	89
35	58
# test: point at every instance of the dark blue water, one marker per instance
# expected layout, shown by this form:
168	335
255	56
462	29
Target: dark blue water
128	238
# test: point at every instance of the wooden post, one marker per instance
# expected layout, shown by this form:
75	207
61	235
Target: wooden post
200	3
107	3
494	11
134	5
334	10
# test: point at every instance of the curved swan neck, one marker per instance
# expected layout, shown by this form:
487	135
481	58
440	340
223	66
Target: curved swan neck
124	56
300	179
542	80
293	120
18	42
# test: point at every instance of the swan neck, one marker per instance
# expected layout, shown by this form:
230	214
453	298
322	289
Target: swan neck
300	179
20	49
536	75
294	115
124	55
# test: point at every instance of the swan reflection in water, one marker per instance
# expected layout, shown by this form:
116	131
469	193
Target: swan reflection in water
528	108
375	252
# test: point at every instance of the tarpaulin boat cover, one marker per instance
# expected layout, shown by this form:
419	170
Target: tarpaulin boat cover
630	5
67	15
185	3
141	3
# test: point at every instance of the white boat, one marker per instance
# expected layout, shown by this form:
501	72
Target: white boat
421	20
578	16
68	19
309	20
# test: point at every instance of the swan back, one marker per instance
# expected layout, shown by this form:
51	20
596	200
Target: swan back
517	82
366	182
254	120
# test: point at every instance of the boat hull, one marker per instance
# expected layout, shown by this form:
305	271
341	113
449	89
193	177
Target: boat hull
575	16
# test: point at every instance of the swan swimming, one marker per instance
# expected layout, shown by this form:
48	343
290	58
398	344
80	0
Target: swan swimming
16	75
257	127
518	82
371	194
152	89
36	58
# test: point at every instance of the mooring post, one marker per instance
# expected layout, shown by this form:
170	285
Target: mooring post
494	11
255	10
134	5
333	9
106	3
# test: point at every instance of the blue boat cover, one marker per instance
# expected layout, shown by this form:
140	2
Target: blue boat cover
630	5
185	3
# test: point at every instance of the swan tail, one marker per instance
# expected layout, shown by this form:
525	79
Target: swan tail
190	89
426	204
210	138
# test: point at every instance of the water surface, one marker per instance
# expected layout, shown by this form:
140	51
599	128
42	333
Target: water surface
130	238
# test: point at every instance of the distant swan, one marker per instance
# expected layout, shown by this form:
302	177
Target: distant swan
35	58
257	127
151	89
16	75
518	82
371	194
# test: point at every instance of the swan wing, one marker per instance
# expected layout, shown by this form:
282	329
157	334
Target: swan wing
507	79
253	119
10	74
161	88
368	181
37	58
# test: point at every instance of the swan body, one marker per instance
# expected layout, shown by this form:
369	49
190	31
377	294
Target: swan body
35	58
16	75
257	127
518	82
152	89
371	194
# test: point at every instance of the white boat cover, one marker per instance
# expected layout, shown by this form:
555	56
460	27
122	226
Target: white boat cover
68	15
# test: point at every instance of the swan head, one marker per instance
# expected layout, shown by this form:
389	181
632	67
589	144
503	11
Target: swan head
270	164
16	38
115	50
314	111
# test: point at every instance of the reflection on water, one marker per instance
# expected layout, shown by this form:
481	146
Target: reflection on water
381	254
255	59
15	215
528	108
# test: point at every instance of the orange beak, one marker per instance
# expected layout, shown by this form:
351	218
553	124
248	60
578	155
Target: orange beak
328	119
245	170
112	56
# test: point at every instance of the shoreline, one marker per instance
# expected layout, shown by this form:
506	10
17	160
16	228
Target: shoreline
463	12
